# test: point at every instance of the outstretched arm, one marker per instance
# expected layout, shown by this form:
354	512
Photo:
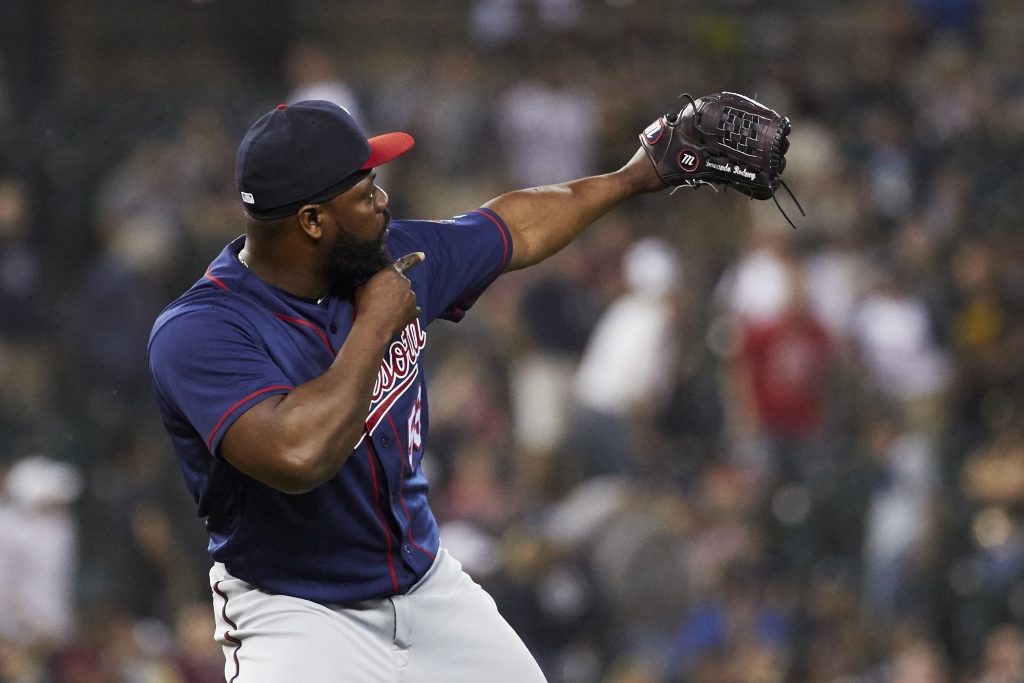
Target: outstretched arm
543	220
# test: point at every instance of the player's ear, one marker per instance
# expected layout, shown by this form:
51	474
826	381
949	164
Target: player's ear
309	219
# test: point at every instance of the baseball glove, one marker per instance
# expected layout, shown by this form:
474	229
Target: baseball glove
724	139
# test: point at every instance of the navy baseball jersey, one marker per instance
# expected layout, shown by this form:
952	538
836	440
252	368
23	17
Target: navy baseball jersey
233	340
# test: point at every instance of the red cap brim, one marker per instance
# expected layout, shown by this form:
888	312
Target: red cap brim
384	148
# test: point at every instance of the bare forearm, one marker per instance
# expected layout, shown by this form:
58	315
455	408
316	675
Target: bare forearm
543	220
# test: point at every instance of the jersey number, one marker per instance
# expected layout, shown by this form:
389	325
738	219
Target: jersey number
415	438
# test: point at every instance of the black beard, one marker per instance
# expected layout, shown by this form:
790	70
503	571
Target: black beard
351	262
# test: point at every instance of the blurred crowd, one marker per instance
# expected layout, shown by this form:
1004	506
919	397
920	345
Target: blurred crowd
697	446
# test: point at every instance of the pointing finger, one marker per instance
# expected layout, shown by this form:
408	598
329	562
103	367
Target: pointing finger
403	264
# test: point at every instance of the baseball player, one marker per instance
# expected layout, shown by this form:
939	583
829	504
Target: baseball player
289	378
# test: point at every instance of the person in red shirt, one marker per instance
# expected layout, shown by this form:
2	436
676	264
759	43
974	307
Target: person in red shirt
782	373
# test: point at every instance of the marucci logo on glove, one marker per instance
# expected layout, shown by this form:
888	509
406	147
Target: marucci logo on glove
653	132
689	161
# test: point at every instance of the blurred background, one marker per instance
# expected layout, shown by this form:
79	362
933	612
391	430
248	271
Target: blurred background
697	446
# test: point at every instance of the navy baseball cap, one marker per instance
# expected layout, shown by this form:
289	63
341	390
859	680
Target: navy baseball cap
307	153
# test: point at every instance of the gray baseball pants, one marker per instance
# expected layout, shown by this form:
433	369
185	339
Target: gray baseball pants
446	628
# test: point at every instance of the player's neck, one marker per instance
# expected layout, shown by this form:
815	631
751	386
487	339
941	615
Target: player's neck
283	273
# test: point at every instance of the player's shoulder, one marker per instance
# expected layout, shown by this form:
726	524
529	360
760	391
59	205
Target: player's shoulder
224	292
203	311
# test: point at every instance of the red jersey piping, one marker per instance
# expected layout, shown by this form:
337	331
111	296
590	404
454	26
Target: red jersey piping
380	514
306	323
401	498
213	432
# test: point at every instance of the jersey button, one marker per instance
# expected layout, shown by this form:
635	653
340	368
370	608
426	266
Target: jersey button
384	442
334	328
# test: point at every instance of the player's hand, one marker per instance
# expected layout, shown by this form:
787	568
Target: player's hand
387	298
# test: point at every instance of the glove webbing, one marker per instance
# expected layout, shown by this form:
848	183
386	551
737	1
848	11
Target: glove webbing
741	135
738	128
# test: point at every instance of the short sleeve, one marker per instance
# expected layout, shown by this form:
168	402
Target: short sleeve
208	369
464	256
